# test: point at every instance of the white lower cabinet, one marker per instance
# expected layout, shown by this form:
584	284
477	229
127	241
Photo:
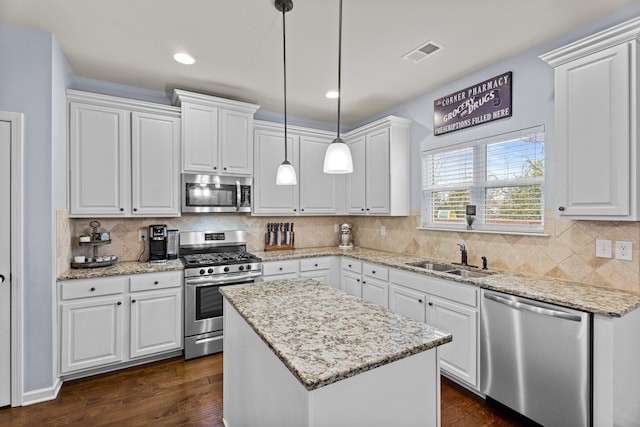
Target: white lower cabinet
91	333
365	280
110	320
446	305
155	322
276	270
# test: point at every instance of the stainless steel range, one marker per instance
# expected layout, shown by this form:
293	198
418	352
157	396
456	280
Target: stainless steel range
212	259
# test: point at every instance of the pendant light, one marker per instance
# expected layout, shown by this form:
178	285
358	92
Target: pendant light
337	159
286	174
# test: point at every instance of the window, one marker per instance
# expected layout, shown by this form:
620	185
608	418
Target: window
503	176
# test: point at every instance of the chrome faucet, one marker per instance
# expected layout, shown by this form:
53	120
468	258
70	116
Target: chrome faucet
463	253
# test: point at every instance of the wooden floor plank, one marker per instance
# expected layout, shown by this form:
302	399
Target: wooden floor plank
176	392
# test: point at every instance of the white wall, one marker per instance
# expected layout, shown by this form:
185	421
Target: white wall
27	86
532	104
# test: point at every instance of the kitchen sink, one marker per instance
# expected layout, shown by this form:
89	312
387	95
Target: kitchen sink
467	273
432	266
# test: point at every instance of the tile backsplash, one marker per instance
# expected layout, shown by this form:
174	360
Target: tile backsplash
567	251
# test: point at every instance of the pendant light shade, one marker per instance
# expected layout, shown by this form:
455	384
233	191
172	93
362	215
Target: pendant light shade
286	174
338	159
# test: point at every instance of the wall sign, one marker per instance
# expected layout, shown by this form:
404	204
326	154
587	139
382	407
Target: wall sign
481	103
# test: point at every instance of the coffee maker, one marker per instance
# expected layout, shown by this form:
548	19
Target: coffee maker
157	243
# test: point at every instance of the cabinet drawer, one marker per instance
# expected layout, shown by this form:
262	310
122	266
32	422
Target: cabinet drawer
351	265
279	267
377	271
311	264
453	291
150	281
84	288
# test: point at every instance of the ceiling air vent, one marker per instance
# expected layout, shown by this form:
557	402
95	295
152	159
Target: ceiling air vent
421	53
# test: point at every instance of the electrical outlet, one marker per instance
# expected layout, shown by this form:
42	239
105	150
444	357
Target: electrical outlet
623	250
383	230
603	248
142	234
336	228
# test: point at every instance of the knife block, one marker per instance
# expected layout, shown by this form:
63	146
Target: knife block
281	247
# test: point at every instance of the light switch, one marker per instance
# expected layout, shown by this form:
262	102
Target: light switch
603	248
623	250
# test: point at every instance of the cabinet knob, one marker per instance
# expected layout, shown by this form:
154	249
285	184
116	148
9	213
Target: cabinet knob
135	209
295	210
430	303
280	268
156	282
349	265
1	278
92	289
224	169
367	209
420	301
561	208
215	168
362	209
121	209
302	210
119	302
133	301
373	272
315	265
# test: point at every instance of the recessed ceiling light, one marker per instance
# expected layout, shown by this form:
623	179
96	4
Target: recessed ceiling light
184	58
332	94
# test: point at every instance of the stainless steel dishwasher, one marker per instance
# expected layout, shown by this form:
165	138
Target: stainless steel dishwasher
536	359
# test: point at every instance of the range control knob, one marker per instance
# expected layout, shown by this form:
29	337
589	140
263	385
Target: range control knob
249	267
241	268
202	271
210	271
226	269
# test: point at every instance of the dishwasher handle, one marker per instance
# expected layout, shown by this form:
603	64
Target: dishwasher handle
534	309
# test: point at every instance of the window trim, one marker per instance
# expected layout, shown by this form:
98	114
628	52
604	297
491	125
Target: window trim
479	185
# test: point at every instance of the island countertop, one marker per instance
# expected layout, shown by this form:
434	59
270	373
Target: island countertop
324	335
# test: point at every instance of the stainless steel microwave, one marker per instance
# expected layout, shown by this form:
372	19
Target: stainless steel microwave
215	193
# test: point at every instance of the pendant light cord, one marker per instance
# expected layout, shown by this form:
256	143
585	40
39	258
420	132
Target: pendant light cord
339	68
284	56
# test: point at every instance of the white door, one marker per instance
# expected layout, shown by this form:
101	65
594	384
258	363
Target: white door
156	324
5	260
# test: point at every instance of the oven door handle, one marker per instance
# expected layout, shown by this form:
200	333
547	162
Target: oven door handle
225	279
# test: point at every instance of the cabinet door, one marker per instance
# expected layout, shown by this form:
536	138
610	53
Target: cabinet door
460	357
155	161
318	190
352	283
92	333
199	138
377	172
376	291
236	143
593	134
356	202
269	198
99	162
408	302
156	322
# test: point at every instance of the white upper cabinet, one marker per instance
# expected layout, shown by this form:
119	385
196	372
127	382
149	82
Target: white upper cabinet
596	115
380	182
155	160
316	193
123	157
217	134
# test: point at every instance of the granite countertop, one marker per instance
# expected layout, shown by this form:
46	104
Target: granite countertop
322	334
122	268
589	298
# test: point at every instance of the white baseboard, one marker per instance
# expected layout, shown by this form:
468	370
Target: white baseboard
42	395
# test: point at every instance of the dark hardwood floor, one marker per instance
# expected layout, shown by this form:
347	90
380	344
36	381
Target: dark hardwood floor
179	393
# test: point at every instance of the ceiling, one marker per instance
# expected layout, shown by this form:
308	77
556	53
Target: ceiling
237	45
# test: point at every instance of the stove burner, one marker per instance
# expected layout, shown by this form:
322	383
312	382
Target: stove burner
212	259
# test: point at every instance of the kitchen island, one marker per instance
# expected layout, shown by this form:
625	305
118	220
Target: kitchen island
300	353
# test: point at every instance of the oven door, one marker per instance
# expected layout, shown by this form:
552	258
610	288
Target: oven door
203	302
